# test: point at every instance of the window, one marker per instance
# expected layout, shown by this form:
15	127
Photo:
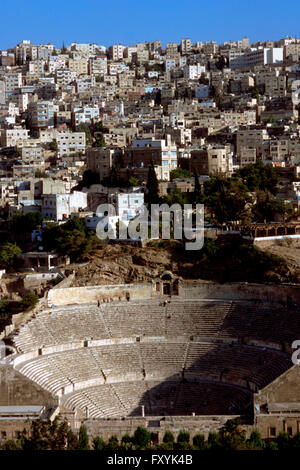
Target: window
272	432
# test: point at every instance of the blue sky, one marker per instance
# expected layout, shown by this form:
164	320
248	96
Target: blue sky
130	21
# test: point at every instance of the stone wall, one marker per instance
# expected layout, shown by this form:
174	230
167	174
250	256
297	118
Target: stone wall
92	294
282	294
16	389
157	425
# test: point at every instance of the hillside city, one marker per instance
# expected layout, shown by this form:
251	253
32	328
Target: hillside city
103	330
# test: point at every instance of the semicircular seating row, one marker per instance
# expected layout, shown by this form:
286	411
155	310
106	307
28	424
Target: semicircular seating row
230	363
168	398
210	319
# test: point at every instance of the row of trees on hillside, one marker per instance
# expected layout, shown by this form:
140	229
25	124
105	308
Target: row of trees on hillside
57	435
249	195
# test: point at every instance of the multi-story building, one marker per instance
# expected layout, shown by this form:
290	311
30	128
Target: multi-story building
101	160
70	142
36	67
2	92
129	51
13	81
210	48
98	65
78	66
32	155
247	156
85	115
14	137
60	206
185	46
41	114
116	52
251	138
171	48
257	56
25	51
163	153
210	160
64	76
193	72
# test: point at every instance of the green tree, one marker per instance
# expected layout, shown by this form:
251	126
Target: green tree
270	120
180	173
234	438
114	179
283	441
142	437
98	443
226	198
8	253
213	442
199	442
26	223
272	445
221	62
29	301
11	445
267	208
113	443
40	174
176	197
83	439
63	48
4	308
295	444
257	176
85	128
72	238
183	436
99	142
197	189
255	441
152	186
168	437
133	181
53	146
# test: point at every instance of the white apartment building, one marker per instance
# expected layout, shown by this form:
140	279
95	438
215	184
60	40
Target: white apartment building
193	72
78	66
129	205
2	92
57	62
185	46
98	66
116	52
128	51
33	155
85	84
114	69
13	81
64	76
14	137
258	56
70	142
85	115
170	64
36	67
87	48
251	138
219	159
59	207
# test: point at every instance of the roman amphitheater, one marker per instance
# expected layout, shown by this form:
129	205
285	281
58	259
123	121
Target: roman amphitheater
170	354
